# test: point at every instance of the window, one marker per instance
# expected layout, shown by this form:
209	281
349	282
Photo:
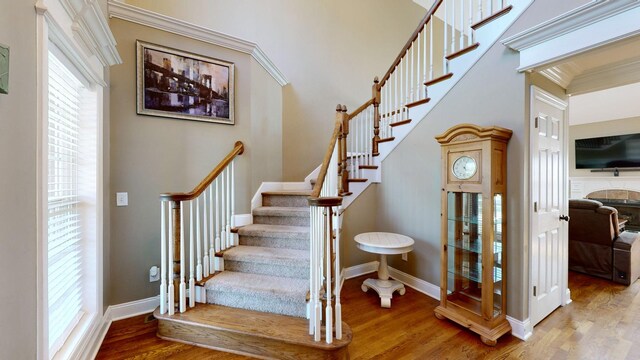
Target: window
71	203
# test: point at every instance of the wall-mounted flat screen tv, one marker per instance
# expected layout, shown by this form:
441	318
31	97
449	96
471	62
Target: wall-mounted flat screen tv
608	152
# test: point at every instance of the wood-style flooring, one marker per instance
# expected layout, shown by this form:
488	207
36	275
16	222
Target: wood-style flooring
602	322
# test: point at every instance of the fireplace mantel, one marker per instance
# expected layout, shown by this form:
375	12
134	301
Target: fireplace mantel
580	187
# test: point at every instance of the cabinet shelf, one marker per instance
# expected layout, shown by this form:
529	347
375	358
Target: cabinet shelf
473	246
473	272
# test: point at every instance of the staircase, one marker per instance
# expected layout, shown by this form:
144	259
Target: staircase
272	288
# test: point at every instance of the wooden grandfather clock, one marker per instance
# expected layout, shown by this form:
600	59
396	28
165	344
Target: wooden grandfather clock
474	185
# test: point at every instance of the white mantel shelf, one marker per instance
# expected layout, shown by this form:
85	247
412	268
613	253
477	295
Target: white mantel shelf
582	186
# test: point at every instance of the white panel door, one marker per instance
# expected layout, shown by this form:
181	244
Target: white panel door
549	202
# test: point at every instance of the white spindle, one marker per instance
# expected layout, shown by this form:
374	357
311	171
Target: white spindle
410	72
462	27
430	50
192	281
223	219
480	9
337	272
312	259
212	235
183	285
170	289
217	185
228	227
453	28
206	208
490	8
233	202
163	258
318	276
471	32
445	69
198	242
329	309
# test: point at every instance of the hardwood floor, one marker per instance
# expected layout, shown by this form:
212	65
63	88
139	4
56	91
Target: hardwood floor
602	322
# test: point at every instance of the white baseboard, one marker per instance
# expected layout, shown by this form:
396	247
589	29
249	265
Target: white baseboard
118	312
413	282
358	270
521	329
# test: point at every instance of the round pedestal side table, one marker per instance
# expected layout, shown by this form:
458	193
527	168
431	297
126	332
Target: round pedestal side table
384	244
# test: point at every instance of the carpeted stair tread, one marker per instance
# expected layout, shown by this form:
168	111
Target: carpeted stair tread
293	211
266	255
288	192
274	294
275	231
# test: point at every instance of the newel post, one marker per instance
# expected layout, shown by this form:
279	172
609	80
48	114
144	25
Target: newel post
344	132
175	209
376	117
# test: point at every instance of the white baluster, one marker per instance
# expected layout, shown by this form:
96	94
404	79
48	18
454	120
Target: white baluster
430	50
317	308
218	242
311	272
490	8
211	238
183	285
233	202
206	208
192	260
480	9
462	27
198	241
163	258
228	207
445	69
338	281
471	32
453	28
171	289
329	309
410	72
223	219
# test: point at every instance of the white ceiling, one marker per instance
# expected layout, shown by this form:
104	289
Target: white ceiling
612	104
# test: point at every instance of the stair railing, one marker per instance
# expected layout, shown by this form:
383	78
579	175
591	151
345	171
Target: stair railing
446	32
210	210
325	210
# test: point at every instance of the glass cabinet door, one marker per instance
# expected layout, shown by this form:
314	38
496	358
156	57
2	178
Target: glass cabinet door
497	254
464	250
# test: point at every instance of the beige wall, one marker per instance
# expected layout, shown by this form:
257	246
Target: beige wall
604	128
329	51
18	185
151	155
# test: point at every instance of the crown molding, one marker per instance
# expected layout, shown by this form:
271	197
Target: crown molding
91	29
121	10
594	24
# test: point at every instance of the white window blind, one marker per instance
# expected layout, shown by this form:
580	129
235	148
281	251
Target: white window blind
64	247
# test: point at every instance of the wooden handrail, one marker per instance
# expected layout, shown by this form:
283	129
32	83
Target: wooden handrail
315	193
238	149
413	37
361	108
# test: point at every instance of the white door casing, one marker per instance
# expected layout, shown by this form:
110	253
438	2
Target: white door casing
549	235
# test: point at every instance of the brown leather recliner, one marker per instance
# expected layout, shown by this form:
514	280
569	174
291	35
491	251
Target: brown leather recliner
596	247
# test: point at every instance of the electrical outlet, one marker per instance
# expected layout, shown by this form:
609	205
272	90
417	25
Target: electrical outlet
405	257
154	274
122	199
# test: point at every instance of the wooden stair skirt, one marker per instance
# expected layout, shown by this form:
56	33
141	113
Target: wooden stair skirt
252	333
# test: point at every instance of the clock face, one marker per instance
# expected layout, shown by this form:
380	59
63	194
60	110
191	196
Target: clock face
464	167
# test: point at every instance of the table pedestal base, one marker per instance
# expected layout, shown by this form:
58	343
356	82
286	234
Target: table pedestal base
384	288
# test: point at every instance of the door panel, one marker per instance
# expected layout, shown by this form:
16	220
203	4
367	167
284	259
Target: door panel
548	180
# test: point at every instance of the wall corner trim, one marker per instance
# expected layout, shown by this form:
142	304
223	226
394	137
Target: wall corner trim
521	329
123	11
114	313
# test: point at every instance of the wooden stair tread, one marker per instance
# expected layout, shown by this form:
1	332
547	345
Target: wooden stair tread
357	180
371	167
462	51
492	17
386	139
418	102
438	79
286	329
398	123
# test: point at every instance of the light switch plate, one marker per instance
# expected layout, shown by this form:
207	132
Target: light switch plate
122	199
4	69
